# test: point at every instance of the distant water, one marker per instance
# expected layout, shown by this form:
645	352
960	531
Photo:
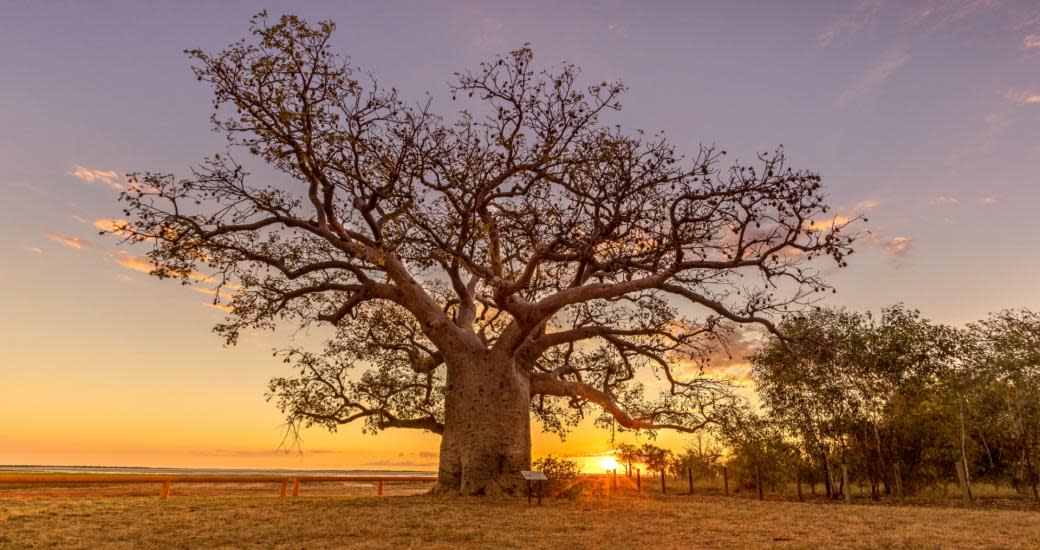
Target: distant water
206	471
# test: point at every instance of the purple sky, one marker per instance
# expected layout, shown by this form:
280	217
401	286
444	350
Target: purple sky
925	115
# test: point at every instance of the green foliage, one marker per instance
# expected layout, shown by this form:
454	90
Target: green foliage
897	395
656	458
703	458
563	476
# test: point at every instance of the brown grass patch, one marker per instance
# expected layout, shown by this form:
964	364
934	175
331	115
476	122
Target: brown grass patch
598	519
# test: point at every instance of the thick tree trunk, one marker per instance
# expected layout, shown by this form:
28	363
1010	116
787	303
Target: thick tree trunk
487	427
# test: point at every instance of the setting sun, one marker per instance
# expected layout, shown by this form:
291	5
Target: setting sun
608	463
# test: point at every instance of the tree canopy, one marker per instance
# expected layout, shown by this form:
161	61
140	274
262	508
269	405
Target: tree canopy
904	402
523	238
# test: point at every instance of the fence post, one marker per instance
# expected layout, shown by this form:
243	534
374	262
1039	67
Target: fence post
379	490
964	482
164	493
639	481
845	483
725	481
613	480
662	482
689	472
285	485
296	487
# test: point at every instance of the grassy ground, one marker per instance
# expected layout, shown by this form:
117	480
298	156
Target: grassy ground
197	518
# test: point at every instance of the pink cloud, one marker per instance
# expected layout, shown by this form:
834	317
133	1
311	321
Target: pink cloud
115	227
142	264
90	175
897	246
71	242
942	199
1023	97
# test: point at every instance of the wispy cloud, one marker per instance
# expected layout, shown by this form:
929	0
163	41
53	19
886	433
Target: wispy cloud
115	227
943	199
1032	41
142	264
940	13
253	452
826	224
897	246
878	74
71	242
617	29
729	359
219	306
988	200
1023	97
843	216
488	34
33	249
995	121
863	15
90	175
399	464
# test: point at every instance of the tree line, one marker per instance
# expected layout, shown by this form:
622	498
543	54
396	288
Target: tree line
894	403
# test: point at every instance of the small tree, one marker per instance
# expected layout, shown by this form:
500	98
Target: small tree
523	257
702	457
656	458
626	454
759	452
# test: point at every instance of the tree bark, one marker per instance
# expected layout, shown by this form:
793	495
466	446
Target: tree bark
487	427
758	482
798	482
897	477
964	453
827	481
845	483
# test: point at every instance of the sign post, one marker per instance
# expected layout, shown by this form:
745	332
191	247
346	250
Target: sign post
534	476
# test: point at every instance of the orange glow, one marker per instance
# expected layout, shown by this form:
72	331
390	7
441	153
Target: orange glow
608	463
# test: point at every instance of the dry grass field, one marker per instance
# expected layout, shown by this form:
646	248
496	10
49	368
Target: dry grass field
334	516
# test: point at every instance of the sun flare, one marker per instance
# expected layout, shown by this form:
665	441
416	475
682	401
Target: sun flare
608	463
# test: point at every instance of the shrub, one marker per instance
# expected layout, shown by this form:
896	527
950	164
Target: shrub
563	476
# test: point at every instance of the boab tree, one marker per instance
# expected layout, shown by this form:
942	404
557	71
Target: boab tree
521	257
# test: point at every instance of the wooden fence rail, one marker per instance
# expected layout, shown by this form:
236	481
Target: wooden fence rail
168	480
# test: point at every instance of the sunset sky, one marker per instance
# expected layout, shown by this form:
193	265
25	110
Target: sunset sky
924	115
